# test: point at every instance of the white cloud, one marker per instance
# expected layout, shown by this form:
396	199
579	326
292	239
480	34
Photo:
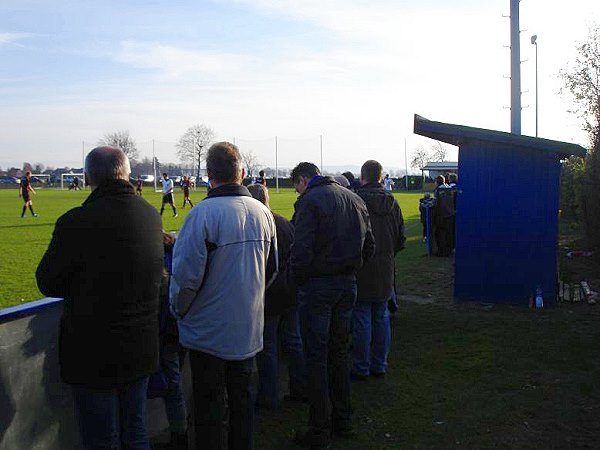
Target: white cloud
13	38
177	63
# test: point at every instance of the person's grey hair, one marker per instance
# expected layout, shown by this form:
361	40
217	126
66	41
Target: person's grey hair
104	164
341	179
260	193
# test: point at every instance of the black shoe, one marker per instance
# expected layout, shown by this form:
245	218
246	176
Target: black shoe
308	440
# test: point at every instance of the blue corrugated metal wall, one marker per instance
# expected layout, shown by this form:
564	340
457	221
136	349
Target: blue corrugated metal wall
506	223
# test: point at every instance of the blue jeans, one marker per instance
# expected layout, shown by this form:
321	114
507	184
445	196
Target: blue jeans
267	360
325	307
170	358
216	381
371	337
113	418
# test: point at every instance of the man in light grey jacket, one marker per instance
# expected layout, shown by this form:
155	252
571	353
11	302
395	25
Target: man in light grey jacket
224	257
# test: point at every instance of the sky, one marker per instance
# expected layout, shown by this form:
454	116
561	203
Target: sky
342	76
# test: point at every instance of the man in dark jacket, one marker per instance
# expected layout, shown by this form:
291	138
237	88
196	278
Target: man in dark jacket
371	334
105	259
281	319
443	217
332	239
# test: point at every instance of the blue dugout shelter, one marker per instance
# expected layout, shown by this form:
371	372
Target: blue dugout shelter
506	212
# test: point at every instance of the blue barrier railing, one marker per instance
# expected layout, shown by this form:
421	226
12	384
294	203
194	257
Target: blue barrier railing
30	308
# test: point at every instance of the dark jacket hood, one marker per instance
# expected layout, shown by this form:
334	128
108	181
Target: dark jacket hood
377	200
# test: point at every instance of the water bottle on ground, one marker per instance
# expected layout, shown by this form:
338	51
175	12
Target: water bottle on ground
539	300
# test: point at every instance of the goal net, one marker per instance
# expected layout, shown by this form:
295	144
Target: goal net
39	180
72	181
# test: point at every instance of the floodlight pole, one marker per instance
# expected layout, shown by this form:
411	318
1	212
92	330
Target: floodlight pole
321	139
405	165
276	167
154	167
534	42
515	69
83	160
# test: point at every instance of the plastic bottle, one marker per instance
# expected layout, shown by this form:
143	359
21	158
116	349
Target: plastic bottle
539	300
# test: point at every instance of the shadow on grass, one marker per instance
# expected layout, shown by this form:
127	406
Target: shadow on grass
470	375
28	225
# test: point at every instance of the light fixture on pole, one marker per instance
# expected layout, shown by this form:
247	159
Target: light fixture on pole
534	42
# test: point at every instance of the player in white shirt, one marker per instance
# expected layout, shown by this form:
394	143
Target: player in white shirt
388	184
167	187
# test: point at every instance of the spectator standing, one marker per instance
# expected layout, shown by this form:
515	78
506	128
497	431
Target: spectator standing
425	202
354	183
25	189
453	180
342	180
171	359
332	239
105	260
224	257
281	318
443	217
371	333
167	188
453	183
138	185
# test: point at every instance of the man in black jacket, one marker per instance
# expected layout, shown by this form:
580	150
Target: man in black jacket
281	319
332	239
106	259
371	334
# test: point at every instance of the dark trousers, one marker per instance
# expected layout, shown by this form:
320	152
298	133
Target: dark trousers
443	235
113	418
268	360
217	383
325	307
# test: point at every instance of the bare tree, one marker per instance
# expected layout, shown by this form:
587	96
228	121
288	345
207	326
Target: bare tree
419	158
250	162
439	152
193	145
142	167
27	167
123	140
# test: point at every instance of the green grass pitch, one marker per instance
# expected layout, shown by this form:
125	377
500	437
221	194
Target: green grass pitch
24	241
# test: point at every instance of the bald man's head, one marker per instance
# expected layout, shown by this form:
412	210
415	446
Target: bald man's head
104	164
